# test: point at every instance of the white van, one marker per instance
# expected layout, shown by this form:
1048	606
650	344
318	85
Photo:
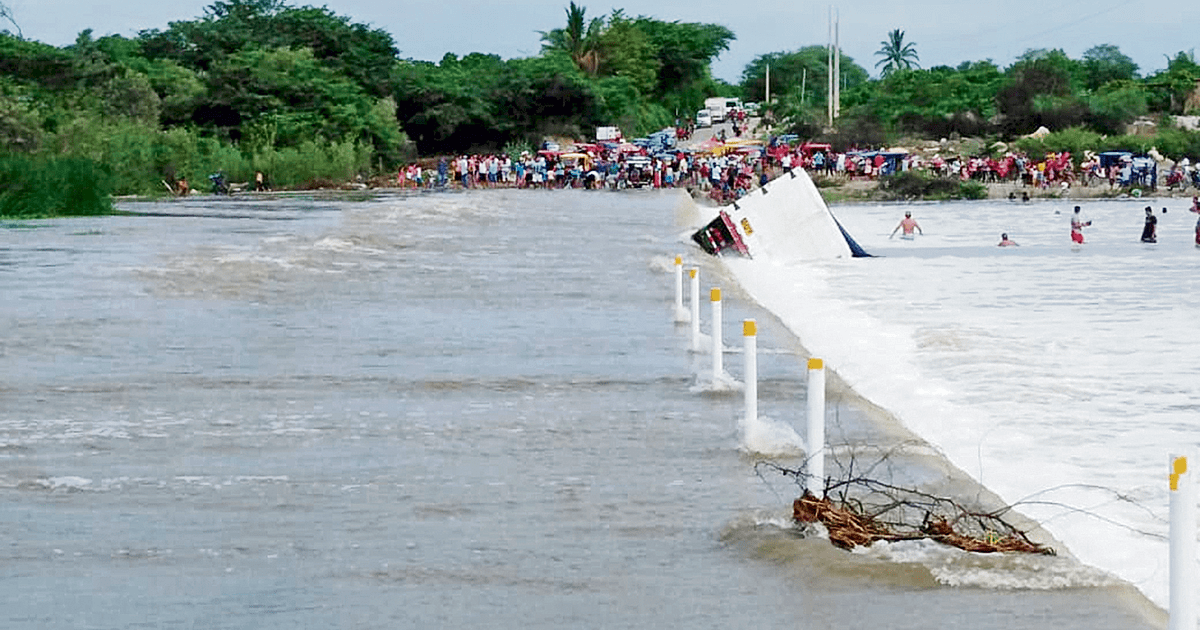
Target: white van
704	118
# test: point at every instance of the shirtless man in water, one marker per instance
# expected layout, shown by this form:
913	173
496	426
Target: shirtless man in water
908	224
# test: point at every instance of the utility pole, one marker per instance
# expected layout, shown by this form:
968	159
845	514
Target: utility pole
837	68
829	72
768	96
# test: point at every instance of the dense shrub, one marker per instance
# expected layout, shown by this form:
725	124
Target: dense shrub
33	188
308	163
909	185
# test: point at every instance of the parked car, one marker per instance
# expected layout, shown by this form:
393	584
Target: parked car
704	118
751	109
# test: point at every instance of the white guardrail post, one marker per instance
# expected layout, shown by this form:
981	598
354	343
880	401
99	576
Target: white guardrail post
816	428
1183	544
717	360
694	272
750	332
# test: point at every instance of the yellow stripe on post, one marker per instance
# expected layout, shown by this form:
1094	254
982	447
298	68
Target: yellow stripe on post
716	294
1178	468
692	272
749	328
678	259
816	364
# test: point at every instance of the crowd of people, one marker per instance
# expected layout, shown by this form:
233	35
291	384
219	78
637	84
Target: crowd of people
726	167
1057	170
728	174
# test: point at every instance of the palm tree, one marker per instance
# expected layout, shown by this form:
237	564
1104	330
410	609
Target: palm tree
896	54
581	42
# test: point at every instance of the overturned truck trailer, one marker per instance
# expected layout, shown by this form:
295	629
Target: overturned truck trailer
785	220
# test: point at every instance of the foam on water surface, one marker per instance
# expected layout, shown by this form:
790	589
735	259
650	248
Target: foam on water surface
1031	367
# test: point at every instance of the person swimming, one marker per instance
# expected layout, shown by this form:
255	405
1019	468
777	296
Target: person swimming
1005	242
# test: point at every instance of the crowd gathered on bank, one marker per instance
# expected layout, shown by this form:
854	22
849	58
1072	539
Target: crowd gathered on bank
727	168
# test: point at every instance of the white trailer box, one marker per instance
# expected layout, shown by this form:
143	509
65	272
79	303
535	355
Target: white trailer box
716	107
608	133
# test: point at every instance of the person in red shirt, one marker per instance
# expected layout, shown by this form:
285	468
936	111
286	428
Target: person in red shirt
1077	225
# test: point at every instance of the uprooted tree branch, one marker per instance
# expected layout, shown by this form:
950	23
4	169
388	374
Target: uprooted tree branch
858	511
6	13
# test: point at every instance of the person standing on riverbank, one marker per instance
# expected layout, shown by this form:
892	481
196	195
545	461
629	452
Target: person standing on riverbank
1077	225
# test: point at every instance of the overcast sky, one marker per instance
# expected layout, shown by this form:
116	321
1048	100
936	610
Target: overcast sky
946	32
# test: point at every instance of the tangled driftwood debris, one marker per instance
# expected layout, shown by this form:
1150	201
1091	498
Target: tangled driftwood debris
848	529
857	511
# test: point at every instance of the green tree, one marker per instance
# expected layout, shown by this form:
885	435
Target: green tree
36	63
543	96
580	39
804	69
896	53
1115	105
305	99
130	94
20	122
225	28
367	56
626	51
1170	89
481	102
937	101
445	106
1042	90
179	89
1105	63
684	52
